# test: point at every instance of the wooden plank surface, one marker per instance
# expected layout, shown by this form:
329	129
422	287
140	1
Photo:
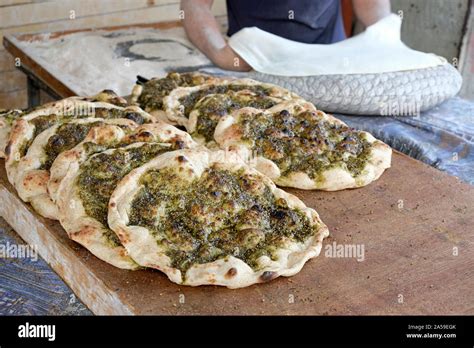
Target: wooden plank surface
56	15
415	225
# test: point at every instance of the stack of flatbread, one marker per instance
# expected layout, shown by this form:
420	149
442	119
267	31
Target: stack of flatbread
183	179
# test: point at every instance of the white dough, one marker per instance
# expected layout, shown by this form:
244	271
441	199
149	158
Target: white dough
378	49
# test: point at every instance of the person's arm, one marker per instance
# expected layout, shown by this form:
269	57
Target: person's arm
204	32
370	11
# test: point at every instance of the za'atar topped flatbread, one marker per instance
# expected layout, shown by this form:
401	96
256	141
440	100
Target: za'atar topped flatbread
203	218
200	108
88	178
149	96
298	146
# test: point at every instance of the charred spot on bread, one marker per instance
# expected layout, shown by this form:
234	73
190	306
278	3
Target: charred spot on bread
179	144
232	272
135	117
182	159
267	276
8	148
145	134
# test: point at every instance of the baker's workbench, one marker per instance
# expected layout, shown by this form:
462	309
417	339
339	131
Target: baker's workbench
169	46
411	222
414	225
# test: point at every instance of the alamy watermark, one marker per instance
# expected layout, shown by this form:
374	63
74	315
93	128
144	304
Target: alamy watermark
335	250
18	251
28	330
73	108
400	107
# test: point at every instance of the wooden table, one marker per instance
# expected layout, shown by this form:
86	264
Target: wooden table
415	225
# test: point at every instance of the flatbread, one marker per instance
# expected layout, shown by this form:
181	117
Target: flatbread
7	117
32	174
149	96
109	137
84	192
199	108
27	127
203	217
298	146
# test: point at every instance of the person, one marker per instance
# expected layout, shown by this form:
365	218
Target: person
309	21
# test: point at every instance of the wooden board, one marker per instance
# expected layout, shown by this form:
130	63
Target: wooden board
415	223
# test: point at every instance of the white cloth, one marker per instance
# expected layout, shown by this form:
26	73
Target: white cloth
378	49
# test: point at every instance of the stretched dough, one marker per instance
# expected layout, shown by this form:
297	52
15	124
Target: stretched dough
378	49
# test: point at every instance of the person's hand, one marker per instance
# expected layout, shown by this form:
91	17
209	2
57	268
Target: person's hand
226	58
205	33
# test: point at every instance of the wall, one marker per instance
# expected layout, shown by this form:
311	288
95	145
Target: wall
433	25
20	16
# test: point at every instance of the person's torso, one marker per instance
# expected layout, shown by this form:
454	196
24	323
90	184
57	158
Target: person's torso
309	21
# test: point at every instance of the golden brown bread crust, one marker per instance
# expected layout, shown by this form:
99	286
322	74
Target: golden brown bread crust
6	121
149	95
22	131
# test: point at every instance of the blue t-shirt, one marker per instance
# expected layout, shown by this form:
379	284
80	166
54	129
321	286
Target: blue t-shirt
309	21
